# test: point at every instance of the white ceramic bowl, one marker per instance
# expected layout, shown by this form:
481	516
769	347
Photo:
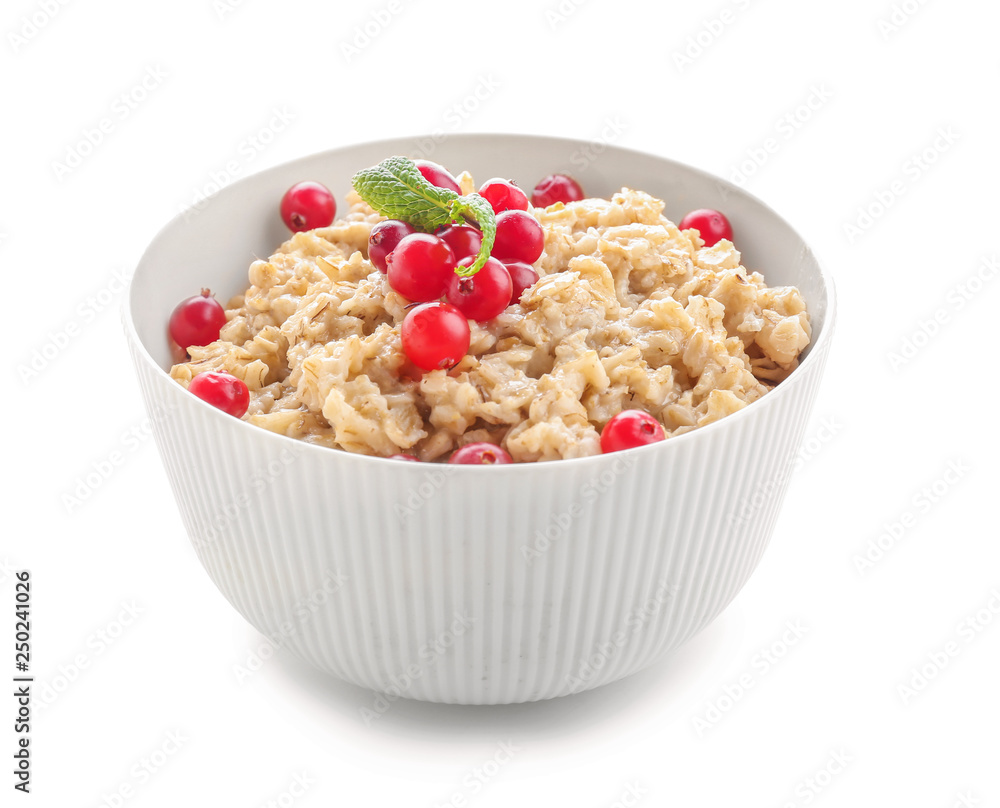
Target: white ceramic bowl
473	585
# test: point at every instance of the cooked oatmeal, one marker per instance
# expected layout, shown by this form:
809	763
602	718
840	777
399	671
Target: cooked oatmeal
628	313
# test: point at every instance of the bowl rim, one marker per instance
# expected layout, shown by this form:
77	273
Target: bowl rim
815	350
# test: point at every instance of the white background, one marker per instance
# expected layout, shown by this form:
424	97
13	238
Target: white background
904	124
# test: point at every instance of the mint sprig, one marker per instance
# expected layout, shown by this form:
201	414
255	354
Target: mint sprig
396	189
478	209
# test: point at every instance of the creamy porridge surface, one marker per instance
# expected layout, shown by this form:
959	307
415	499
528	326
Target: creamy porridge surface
628	313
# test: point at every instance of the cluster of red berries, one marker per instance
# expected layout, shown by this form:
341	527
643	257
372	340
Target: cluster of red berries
198	321
422	268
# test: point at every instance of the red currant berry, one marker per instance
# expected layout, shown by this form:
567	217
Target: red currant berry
435	335
556	188
481	296
519	237
437	175
522	276
384	238
197	320
711	225
222	390
630	428
462	238
503	195
480	454
409	457
307	205
420	266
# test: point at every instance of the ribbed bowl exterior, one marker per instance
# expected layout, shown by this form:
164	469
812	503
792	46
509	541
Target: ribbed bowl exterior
506	585
479	585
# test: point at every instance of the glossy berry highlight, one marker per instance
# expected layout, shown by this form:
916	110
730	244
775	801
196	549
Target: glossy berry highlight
711	225
307	205
519	237
522	276
420	267
222	390
556	188
435	335
480	454
437	175
503	195
384	238
464	239
630	428
196	321
481	296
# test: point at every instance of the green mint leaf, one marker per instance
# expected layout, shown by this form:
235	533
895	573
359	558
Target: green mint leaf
478	208
396	189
